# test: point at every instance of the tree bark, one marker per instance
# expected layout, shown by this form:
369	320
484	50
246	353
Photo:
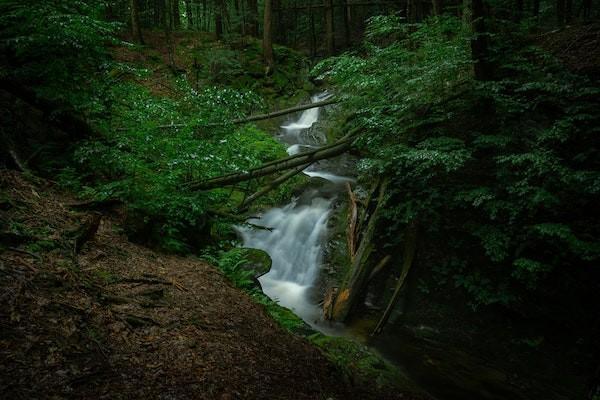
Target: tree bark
136	29
267	45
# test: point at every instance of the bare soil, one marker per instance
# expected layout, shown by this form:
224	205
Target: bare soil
121	321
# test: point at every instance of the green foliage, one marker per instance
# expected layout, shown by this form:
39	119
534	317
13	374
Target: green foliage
503	175
60	46
147	166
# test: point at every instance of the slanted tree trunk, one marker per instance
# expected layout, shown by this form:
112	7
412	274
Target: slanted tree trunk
410	246
362	264
136	29
267	45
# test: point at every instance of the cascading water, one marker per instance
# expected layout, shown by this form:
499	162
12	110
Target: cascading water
297	230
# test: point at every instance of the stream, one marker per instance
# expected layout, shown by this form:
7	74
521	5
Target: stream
299	229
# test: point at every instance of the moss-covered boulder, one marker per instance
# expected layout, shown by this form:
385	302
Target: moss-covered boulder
256	260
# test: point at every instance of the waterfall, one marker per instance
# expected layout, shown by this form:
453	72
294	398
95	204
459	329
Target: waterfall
297	231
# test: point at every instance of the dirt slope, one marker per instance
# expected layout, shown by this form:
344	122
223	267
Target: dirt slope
120	321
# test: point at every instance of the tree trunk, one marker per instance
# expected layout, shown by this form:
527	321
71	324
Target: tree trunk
176	14
587	9
360	270
479	42
518	10
535	8
267	45
467	14
252	18
329	27
313	34
189	14
568	11
136	29
560	12
218	20
438	6
346	11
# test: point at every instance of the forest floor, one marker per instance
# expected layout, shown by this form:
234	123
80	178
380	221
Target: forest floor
117	320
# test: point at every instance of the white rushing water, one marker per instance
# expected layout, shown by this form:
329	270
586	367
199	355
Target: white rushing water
298	230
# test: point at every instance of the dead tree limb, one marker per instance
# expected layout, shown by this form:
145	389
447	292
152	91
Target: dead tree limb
272	185
410	247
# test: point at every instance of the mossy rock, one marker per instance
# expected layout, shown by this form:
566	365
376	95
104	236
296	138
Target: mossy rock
257	261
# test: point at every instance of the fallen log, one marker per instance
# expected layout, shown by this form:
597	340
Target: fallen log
275	166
